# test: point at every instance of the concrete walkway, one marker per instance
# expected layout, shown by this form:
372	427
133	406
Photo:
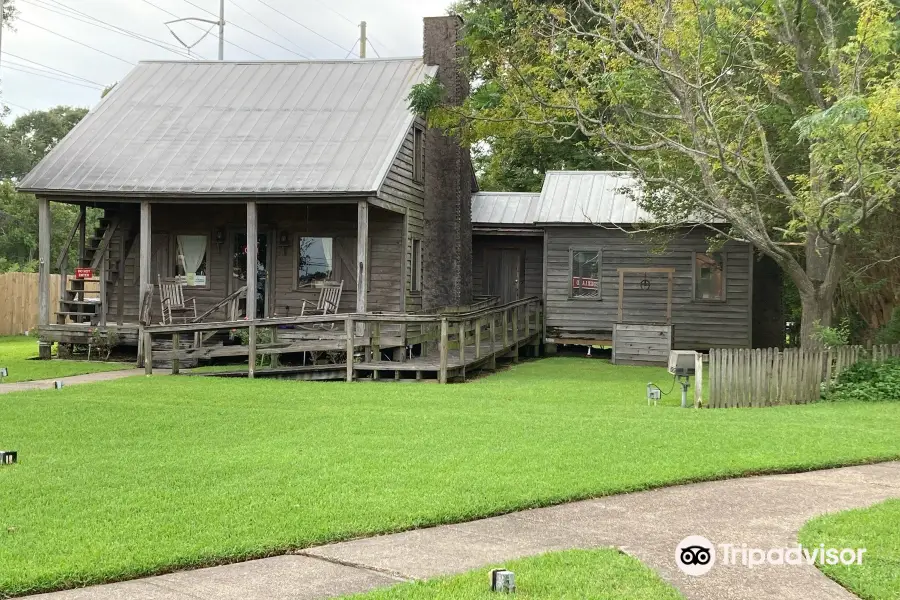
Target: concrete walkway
47	384
762	512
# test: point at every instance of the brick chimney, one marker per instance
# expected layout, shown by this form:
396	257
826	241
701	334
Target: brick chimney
447	250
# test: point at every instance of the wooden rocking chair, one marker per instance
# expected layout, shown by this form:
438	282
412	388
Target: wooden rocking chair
175	307
328	303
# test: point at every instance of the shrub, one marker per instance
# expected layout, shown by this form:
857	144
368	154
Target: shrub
868	382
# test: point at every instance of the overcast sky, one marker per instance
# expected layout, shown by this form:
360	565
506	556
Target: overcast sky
317	29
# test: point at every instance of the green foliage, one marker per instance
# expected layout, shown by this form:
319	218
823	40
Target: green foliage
245	468
104	341
873	528
867	381
22	145
890	333
832	337
426	96
264	335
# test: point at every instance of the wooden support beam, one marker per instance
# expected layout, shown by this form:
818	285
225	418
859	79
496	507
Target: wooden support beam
493	333
362	256
144	257
82	233
252	258
120	282
478	324
445	350
348	328
148	352
516	325
176	346
44	272
251	359
505	325
462	343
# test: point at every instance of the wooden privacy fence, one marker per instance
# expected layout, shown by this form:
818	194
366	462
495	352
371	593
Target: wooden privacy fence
771	377
19	302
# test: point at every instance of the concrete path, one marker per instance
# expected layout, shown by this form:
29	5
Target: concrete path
47	384
763	512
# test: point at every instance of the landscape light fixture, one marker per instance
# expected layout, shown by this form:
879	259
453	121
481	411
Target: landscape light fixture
8	457
503	581
58	385
4	372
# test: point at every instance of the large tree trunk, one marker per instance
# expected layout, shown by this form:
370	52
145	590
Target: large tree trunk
817	312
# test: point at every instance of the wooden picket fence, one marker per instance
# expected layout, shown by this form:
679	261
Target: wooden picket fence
772	377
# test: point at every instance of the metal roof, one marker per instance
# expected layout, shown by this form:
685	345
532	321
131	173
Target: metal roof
504	208
590	197
220	128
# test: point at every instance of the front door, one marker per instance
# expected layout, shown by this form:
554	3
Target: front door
239	270
503	274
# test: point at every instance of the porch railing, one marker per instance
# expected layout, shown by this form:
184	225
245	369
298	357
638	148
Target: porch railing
376	342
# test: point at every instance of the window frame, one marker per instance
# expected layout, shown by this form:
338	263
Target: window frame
570	292
418	166
335	261
173	253
694	280
416	275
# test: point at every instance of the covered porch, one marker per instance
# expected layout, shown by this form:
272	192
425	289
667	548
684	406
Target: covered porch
361	245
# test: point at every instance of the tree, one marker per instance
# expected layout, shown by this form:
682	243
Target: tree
778	116
22	145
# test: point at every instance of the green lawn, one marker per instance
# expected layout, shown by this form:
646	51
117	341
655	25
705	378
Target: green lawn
605	574
877	529
141	475
17	352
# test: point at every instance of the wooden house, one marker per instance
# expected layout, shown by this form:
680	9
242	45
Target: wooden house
270	176
581	244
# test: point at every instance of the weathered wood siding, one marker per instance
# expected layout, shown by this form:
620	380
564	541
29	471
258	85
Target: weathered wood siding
532	249
697	325
325	220
641	344
403	193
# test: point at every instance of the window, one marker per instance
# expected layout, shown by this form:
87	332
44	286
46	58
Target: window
418	154
315	259
585	273
709	276
416	263
190	259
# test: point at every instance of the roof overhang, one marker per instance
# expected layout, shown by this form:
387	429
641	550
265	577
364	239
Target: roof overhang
501	230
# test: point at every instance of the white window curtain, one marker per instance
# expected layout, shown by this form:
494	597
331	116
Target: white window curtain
191	252
328	251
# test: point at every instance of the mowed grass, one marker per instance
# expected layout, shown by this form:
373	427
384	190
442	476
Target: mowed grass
877	529
604	574
17	354
144	475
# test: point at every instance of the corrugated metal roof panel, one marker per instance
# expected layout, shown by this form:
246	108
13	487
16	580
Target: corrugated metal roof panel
590	197
239	128
504	208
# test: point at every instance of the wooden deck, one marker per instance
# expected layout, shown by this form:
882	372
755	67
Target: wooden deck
395	346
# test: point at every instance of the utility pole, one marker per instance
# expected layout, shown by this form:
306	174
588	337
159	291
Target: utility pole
221	29
362	39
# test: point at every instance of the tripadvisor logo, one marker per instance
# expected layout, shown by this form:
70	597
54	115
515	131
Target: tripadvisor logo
695	555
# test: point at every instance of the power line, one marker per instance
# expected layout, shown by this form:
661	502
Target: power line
49	76
52	68
63	74
171	14
290	18
233	24
341	16
94	21
352	48
272	29
17	105
21	20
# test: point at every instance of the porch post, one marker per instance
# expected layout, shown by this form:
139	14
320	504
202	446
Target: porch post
44	272
82	233
251	283
362	255
143	274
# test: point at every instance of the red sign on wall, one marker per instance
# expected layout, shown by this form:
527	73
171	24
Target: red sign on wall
83	273
584	283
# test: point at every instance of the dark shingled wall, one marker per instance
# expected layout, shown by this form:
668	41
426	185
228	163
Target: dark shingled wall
447	249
